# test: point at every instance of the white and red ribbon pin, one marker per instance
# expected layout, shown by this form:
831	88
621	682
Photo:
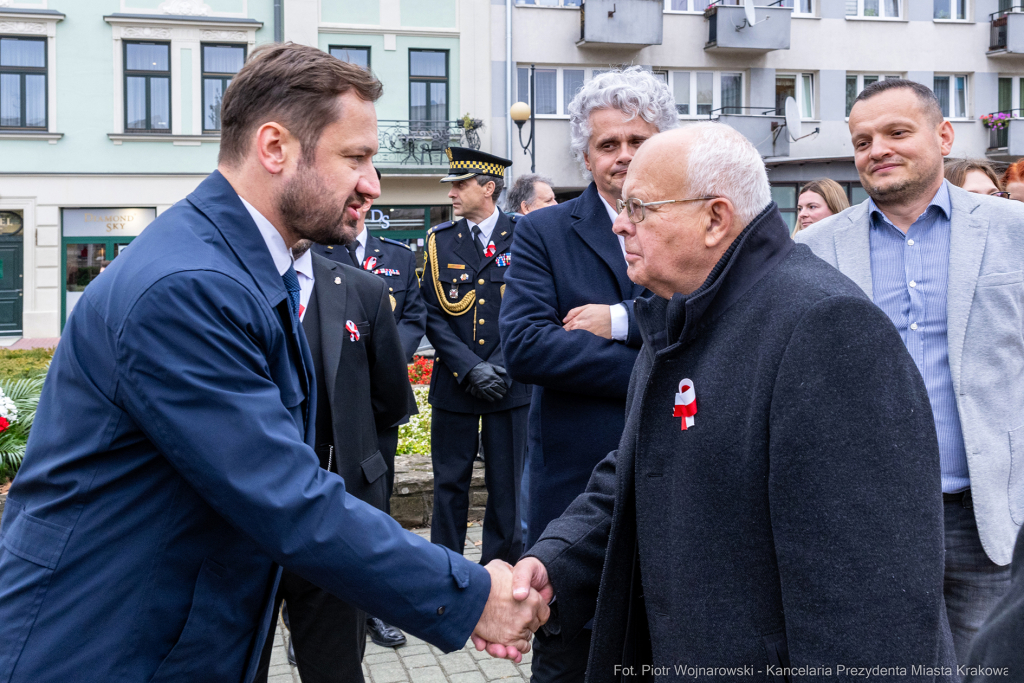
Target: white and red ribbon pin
370	263
489	250
353	330
686	403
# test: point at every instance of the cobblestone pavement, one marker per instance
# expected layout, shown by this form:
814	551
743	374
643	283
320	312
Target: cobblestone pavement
416	661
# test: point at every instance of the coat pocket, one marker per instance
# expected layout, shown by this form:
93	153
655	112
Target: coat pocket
374	467
207	640
997	279
1015	486
30	550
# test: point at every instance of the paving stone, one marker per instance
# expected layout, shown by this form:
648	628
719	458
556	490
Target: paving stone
381	657
375	649
279	670
366	671
388	673
416	661
413	640
477	654
429	674
457	662
498	668
411	650
468	677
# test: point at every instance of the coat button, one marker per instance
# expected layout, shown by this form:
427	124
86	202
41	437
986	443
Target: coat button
481	321
481	342
456	374
482	302
440	610
391	289
480	281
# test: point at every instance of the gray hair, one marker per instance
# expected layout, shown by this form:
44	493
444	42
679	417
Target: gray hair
499	184
633	91
524	190
721	162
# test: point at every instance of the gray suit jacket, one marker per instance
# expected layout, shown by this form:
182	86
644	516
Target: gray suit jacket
985	331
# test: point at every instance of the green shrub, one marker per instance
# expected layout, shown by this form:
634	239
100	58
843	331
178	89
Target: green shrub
25	363
414	437
25	394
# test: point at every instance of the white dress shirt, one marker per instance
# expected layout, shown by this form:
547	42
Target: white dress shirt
282	256
620	316
486	227
361	245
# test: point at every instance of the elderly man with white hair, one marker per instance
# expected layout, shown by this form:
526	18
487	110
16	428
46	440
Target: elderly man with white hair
773	508
568	317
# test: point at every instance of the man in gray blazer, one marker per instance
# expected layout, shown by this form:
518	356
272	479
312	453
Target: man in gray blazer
946	267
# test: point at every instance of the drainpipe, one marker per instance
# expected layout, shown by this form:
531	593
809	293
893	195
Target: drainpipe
278	21
509	70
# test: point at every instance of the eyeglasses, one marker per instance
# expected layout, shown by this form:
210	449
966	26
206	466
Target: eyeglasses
1004	195
636	207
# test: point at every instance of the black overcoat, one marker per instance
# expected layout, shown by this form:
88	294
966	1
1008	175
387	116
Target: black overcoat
797	522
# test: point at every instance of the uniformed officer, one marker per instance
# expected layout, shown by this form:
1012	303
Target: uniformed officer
463	283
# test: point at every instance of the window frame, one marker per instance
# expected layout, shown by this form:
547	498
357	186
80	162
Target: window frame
951	19
148	75
798	13
716	90
558	4
22	72
214	75
966	115
431	79
799	78
368	48
859	16
860	84
689	3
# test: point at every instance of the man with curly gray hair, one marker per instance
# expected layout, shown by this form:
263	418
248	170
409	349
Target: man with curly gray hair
568	316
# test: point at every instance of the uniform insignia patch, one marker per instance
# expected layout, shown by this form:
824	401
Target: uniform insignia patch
464	277
387	272
503	259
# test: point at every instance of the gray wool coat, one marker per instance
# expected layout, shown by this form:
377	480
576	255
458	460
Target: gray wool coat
797	523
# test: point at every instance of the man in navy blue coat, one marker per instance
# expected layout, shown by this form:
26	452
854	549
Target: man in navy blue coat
170	473
567	318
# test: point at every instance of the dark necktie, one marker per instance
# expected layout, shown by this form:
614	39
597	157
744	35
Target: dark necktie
476	239
291	283
352	252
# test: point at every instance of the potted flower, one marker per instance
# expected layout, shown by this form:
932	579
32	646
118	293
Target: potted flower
996	121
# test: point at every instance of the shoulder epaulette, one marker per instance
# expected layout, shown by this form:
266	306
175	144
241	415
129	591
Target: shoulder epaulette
388	240
440	226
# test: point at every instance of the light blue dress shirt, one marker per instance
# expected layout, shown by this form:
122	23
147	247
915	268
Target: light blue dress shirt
909	276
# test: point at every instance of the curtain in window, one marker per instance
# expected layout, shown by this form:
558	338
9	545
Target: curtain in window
892	8
357	56
705	92
681	86
136	102
523	85
10	100
226	60
159	103
418	102
851	92
807	96
546	88
14	52
941	9
871	8
572	81
960	97
143	57
438	102
35	100
851	8
732	93
1005	94
213	92
941	90
427	63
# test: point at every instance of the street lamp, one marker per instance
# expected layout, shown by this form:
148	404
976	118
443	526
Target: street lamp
520	111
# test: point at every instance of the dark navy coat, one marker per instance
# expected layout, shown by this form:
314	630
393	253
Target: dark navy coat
566	256
170	473
454	277
396	263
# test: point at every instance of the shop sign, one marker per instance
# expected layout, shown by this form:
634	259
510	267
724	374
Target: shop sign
10	223
106	222
378	220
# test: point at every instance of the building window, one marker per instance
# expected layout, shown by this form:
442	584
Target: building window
550	3
686	5
952	94
857	82
360	56
699	93
428	85
23	83
572	81
220	64
800	7
147	74
950	9
874	9
798	86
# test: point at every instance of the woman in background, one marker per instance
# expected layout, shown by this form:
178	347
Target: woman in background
819	199
975	175
1013	181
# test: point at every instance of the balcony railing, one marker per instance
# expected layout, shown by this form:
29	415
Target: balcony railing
1002	23
422	143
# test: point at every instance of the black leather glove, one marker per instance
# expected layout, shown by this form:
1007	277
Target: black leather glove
484	383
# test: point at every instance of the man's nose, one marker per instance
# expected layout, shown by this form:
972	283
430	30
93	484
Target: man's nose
368	185
622	225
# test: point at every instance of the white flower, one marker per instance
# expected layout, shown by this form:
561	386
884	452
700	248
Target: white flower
8	410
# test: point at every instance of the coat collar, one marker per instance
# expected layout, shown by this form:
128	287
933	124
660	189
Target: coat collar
853	246
373	249
751	256
594	227
968	234
330	289
501	237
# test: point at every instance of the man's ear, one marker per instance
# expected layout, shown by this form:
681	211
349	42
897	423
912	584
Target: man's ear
946	136
721	214
586	161
274	147
489	188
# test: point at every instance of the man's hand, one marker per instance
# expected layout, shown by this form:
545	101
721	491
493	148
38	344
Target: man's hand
594	318
530	573
508	623
484	383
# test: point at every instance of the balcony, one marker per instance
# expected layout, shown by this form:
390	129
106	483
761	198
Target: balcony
1007	144
419	146
636	24
764	127
728	30
1007	33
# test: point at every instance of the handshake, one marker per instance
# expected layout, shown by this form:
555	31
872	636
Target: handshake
516	607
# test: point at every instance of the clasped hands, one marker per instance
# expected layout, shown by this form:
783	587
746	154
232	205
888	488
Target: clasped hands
516	607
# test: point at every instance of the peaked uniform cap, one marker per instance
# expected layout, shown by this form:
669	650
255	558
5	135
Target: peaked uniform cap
465	163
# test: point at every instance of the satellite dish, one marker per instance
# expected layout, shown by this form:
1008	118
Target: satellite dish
793	124
748	11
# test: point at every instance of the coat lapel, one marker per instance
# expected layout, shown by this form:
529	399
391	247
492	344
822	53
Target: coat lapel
501	241
968	234
595	229
373	249
329	289
853	248
464	246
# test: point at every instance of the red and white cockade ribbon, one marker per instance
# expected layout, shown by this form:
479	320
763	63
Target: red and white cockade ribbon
686	403
489	250
370	263
353	330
